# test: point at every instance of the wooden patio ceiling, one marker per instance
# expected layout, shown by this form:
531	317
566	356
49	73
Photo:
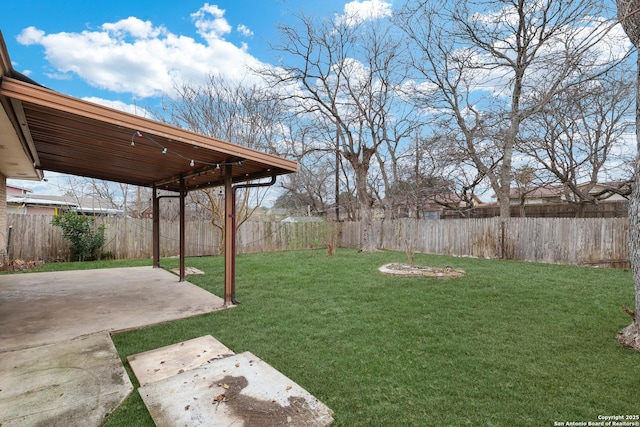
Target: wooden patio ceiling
73	136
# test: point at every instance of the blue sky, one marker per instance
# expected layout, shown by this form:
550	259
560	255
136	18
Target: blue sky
84	48
127	54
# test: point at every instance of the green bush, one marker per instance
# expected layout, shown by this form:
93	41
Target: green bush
86	239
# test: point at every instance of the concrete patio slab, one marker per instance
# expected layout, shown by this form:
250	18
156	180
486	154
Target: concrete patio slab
72	383
58	365
164	362
236	390
43	308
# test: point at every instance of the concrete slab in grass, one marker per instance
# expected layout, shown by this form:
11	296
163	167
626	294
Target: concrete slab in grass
236	390
71	383
154	365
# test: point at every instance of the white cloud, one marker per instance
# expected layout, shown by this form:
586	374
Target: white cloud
134	27
210	22
244	30
119	105
134	56
358	11
30	35
59	76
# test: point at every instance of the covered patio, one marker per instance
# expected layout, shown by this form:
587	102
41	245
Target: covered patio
58	364
41	129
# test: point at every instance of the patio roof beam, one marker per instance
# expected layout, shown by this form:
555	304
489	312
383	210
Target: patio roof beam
214	181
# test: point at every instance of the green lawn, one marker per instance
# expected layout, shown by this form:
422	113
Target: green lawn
87	265
510	344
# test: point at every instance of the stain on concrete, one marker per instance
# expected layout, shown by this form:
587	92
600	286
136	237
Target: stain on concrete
75	382
260	413
236	390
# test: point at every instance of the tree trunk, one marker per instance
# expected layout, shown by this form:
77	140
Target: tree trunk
505	203
630	336
365	201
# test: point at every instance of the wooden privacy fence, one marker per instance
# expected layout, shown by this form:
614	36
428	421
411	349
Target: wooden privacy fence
34	238
580	241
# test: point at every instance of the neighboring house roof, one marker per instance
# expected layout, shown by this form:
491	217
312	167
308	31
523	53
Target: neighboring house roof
556	192
614	187
535	192
27	200
85	205
92	205
441	199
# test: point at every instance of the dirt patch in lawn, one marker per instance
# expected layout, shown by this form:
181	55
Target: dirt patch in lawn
397	269
19	265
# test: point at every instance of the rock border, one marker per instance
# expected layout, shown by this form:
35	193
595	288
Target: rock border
398	269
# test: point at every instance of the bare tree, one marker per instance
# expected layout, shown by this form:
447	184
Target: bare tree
527	181
241	113
342	74
422	175
311	188
235	111
463	180
629	14
210	203
579	138
98	196
489	67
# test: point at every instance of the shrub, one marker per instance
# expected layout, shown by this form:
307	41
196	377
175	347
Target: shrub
86	239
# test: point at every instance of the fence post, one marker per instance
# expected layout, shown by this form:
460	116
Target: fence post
502	238
9	242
